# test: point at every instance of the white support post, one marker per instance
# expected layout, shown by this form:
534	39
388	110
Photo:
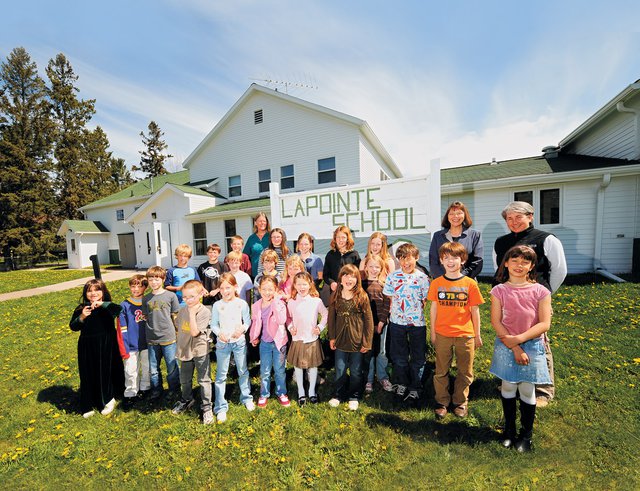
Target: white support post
274	198
433	197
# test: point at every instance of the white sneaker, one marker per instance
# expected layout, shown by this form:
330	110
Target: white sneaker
250	406
110	406
88	414
334	402
207	418
221	417
353	405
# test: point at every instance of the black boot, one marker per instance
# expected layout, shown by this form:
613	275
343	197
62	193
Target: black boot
509	410
527	416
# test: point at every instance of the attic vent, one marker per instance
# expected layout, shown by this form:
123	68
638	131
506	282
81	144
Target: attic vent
257	116
494	161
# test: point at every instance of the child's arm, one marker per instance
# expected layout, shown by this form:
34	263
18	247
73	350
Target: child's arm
367	328
324	313
193	323
215	323
331	325
246	321
256	323
433	314
496	317
475	319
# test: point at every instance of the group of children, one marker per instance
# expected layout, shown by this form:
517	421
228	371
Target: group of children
370	308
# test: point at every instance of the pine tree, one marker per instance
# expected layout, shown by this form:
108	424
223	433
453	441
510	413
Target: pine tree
120	175
105	173
26	192
77	176
152	159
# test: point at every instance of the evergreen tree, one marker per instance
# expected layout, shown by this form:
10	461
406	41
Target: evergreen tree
26	192
105	173
120	175
77	176
151	158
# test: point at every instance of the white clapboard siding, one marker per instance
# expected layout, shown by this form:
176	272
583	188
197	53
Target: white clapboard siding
614	137
289	134
107	216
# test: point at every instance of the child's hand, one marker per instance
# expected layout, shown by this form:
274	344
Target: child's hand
316	330
477	341
433	337
510	341
96	304
521	357
255	342
293	330
363	350
213	293
239	331
332	344
334	285
223	337
86	312
379	327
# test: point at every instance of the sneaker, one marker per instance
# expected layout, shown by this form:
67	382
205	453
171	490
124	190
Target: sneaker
440	412
88	414
109	407
386	385
284	400
221	417
207	417
353	405
262	401
334	402
401	392
412	397
368	388
250	406
128	403
302	400
461	411
155	394
182	406
313	399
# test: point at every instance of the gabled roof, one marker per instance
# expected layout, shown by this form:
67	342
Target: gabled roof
528	166
82	227
168	187
141	189
255	88
609	107
236	206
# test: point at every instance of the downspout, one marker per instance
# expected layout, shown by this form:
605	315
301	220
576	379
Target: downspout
597	253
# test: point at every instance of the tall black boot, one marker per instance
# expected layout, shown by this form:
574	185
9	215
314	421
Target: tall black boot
509	410
527	416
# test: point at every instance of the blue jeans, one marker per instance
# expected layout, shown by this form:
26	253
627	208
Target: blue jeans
348	386
223	356
270	356
378	364
408	351
168	352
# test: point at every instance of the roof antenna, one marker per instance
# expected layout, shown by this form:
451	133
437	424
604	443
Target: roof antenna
286	84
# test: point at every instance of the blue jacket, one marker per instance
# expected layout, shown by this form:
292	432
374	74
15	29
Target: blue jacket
132	326
470	239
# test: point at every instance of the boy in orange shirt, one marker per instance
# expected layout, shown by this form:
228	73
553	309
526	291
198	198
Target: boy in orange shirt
455	328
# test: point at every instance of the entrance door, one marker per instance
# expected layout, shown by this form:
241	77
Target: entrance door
127	245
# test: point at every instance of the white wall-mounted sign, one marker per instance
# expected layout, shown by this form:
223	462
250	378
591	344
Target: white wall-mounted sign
394	207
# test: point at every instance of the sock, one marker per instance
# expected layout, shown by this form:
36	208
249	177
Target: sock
299	374
312	373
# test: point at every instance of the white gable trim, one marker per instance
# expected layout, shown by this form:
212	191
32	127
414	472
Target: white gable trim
167	188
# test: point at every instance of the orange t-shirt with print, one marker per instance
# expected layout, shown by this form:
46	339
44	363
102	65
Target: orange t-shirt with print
454	301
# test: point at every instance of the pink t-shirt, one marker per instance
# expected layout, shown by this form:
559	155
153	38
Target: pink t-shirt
519	305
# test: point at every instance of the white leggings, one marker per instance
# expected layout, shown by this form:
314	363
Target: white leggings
527	391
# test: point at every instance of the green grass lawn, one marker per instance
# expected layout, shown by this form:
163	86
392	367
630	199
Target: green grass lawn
587	439
23	279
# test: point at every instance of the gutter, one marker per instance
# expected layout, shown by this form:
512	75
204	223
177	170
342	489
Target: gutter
597	253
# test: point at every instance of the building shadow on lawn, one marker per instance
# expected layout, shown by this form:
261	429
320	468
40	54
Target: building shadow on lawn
62	397
434	431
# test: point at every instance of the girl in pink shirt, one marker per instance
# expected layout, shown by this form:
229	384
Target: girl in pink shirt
308	317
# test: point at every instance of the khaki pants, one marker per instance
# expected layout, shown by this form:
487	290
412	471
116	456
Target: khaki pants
464	349
548	391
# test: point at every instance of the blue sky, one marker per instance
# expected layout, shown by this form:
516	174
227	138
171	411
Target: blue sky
461	81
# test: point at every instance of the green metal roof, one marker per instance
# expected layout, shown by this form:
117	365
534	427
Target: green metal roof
238	205
142	188
85	226
529	166
192	190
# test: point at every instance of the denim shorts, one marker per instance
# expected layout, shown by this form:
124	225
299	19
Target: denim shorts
504	366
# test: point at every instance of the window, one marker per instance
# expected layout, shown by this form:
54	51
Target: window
549	206
264	179
120	215
229	232
327	170
526	196
257	116
286	177
200	238
73	245
235	186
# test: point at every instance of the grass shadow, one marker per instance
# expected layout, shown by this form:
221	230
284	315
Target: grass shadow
62	397
457	431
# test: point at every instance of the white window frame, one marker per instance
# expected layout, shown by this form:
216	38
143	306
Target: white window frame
536	193
235	186
287	177
120	215
264	181
326	172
